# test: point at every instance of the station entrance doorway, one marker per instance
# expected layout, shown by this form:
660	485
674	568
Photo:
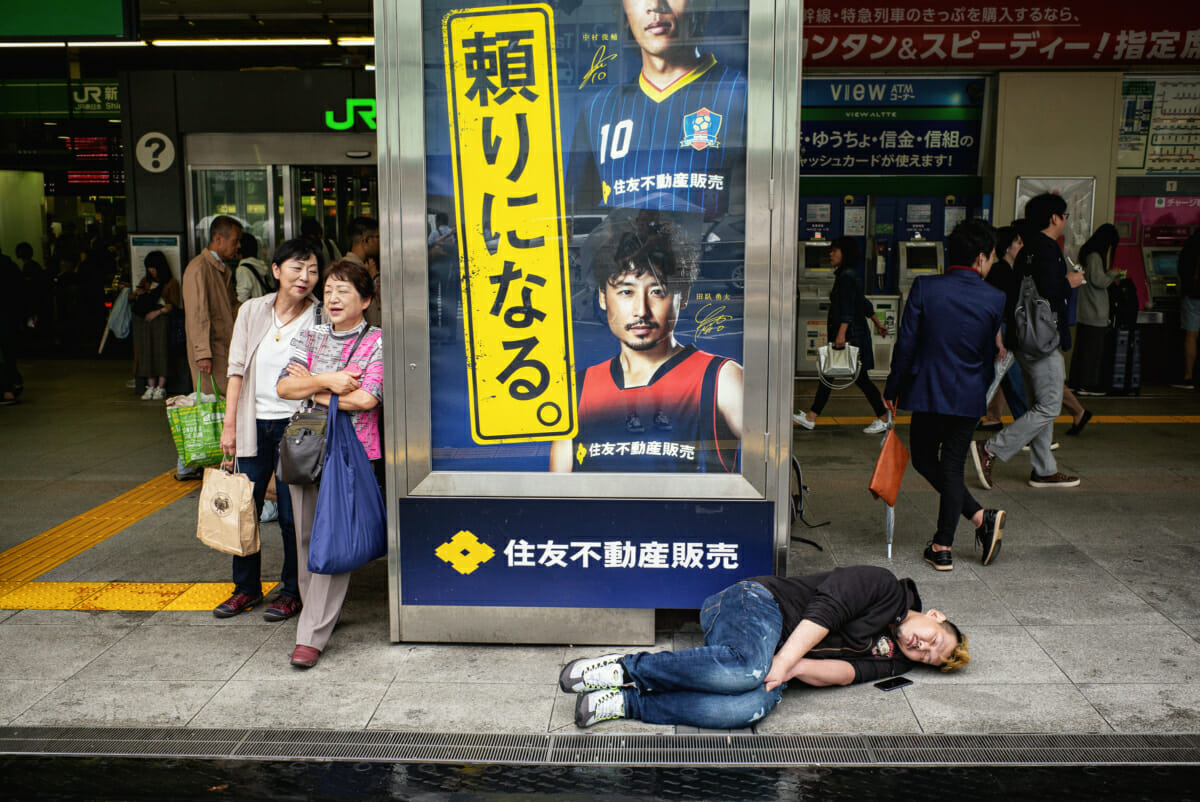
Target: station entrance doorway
275	183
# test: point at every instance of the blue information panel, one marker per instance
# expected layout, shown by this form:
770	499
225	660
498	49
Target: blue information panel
908	126
579	553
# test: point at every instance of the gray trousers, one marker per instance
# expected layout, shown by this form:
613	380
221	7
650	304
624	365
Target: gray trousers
1044	393
322	594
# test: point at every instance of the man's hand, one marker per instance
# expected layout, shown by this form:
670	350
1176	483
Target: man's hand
780	673
1075	278
204	365
839	342
1001	354
890	403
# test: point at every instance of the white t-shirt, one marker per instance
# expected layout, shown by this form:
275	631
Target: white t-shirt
270	360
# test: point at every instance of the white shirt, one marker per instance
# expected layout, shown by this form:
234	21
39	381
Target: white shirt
269	361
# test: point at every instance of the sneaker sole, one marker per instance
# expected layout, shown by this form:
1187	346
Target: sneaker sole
938	566
1036	483
274	617
996	536
979	467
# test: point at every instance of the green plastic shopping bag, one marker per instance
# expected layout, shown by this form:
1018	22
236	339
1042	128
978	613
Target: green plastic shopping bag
196	426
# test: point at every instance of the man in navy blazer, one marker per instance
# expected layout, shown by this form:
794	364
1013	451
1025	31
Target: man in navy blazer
941	368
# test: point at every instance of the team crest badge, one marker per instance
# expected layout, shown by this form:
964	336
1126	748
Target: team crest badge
700	130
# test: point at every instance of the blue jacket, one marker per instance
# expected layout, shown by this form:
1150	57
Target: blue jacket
944	352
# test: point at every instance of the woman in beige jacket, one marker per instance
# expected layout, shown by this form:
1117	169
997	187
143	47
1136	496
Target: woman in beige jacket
256	417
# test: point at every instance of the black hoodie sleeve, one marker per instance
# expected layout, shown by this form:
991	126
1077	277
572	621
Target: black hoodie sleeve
856	600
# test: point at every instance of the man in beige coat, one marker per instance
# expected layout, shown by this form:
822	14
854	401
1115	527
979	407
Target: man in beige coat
210	303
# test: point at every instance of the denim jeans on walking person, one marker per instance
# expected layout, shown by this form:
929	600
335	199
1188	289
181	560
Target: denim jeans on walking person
1044	392
718	685
247	571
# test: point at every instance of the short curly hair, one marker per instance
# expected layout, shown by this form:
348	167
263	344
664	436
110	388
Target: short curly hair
960	656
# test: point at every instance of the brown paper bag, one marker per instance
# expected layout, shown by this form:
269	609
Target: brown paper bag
228	521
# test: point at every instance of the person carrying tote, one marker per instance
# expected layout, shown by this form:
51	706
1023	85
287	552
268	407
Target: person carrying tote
342	357
256	416
847	323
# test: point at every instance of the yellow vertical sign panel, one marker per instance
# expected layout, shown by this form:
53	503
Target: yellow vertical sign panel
502	96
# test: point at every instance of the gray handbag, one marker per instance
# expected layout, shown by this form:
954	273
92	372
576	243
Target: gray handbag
302	449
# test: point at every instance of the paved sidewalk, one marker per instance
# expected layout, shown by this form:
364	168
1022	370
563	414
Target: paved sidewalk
1087	622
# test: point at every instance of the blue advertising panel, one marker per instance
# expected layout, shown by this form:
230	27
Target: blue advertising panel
579	553
903	126
578	165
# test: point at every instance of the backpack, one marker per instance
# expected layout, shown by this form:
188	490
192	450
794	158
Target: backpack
1036	323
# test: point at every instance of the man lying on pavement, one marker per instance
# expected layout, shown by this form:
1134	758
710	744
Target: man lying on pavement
849	625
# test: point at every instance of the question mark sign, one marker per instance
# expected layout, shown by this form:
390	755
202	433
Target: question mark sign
155	151
157	145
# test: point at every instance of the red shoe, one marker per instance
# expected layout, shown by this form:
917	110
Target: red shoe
283	608
305	656
237	603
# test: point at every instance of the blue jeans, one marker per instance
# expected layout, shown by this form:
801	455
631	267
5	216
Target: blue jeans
247	571
718	685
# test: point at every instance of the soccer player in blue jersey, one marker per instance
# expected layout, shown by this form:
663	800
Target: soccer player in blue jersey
674	139
658	406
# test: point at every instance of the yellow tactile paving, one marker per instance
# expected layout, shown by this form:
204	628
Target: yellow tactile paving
55	546
207	595
117	596
50	595
134	596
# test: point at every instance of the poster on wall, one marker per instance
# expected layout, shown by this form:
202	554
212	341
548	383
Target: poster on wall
1080	195
141	245
1160	126
586	181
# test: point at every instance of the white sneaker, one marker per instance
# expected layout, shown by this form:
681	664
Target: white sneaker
802	419
599	706
1053	446
877	427
592	674
148	395
159	394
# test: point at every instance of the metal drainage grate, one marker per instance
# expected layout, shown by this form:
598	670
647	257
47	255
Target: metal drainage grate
608	750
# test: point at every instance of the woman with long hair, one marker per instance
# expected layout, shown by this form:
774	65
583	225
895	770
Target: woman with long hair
153	299
1097	257
847	323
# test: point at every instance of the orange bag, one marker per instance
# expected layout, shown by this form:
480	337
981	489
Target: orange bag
889	469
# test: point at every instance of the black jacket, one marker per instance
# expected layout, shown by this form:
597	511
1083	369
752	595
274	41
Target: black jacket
1043	259
858	605
848	304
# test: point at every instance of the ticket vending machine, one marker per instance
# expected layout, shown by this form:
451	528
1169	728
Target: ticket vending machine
917	258
814	279
1162	274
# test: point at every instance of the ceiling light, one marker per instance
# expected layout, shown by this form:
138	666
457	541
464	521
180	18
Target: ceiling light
106	44
239	42
356	41
33	44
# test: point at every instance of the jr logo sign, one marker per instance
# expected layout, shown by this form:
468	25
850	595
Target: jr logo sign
364	107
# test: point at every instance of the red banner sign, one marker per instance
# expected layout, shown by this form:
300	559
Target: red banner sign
1095	33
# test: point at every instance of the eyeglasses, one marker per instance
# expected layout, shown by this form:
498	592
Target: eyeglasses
1065	215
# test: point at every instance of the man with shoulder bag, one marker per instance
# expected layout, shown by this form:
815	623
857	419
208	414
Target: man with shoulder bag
1041	271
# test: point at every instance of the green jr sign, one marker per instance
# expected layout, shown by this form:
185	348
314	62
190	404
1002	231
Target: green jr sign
363	108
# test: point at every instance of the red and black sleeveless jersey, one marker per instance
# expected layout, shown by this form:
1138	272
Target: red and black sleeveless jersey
671	425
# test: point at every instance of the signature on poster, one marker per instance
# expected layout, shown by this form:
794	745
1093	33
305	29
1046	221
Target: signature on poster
596	72
711	319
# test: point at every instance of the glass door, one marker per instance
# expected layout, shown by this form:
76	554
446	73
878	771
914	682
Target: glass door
331	197
246	194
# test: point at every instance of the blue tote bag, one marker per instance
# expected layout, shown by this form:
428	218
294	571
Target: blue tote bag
349	528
